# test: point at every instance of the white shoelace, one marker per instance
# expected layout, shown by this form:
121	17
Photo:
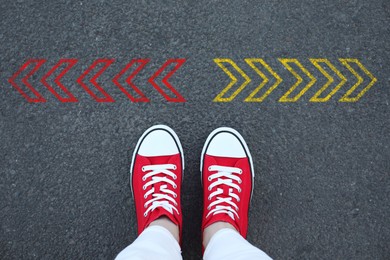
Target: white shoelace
224	176
164	197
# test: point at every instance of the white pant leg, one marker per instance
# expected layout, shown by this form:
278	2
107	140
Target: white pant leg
228	244
154	242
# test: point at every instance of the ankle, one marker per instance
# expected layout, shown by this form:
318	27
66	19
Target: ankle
167	224
209	231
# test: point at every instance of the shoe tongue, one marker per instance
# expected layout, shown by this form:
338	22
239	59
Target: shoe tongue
225	161
160	159
225	190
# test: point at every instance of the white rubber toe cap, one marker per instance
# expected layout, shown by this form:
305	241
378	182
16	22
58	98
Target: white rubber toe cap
226	144
158	142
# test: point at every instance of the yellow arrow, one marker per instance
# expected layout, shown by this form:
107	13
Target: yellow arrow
347	97
316	63
220	63
285	97
251	97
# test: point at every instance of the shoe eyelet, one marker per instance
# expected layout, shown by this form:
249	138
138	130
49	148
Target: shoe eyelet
175	177
143	178
209	188
239	181
209	178
143	169
208	208
239	190
174	167
174	195
144	187
174	186
240	171
145	214
145	196
209	168
208	198
145	206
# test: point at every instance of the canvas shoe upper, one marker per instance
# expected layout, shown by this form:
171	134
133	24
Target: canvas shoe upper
227	178
156	175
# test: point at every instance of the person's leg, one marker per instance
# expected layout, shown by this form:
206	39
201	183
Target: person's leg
227	178
155	242
227	243
155	179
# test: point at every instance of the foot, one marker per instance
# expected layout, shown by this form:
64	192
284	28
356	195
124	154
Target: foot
227	178
155	177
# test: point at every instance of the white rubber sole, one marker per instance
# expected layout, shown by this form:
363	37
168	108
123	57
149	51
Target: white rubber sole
149	130
243	143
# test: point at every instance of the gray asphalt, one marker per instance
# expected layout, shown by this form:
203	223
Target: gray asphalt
322	185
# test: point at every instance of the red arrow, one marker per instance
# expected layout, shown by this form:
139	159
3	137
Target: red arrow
129	79
107	63
38	97
178	97
70	98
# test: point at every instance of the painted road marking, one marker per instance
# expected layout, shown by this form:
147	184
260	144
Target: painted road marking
251	97
97	92
286	63
305	80
220	63
346	97
291	65
316	63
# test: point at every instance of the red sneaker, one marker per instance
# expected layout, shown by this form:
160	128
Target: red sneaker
155	176
227	177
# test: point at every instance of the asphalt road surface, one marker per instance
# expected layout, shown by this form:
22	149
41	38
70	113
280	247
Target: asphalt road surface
322	184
